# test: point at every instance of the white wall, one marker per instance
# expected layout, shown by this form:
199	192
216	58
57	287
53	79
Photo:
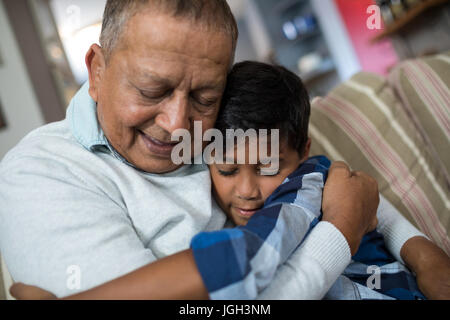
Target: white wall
259	35
79	26
337	38
19	104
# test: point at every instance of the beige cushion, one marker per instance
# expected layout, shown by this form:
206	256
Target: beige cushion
422	85
363	123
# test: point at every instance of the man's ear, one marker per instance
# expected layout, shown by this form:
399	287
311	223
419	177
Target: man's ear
95	62
307	149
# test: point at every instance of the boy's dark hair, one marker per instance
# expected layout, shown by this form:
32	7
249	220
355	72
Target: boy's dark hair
263	96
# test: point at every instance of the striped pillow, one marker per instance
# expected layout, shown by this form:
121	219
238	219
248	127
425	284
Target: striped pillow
364	124
422	85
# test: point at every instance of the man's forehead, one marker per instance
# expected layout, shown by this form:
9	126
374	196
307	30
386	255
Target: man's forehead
157	31
161	73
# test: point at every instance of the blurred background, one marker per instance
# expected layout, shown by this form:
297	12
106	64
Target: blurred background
43	44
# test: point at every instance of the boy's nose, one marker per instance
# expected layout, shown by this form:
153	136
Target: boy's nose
248	189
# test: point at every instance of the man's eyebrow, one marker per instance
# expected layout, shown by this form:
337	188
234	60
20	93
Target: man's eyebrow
148	75
213	85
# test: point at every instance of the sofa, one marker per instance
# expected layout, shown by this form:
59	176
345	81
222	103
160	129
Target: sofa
397	129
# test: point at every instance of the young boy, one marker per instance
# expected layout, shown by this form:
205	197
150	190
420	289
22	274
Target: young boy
260	96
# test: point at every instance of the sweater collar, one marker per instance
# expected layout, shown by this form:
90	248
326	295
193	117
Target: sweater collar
82	117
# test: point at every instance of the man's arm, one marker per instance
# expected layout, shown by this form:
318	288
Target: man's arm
363	196
410	246
313	268
431	266
295	279
394	227
61	233
160	280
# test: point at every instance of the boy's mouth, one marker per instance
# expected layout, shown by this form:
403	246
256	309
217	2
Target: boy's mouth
246	212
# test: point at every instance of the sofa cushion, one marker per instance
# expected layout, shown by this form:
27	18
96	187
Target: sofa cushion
363	123
422	85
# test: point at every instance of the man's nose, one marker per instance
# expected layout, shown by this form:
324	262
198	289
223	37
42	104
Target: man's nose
175	114
247	188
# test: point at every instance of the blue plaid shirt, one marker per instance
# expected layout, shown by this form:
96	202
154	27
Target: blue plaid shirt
239	263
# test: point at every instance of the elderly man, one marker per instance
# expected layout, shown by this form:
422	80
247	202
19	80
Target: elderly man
97	196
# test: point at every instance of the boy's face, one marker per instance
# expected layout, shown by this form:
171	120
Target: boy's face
241	189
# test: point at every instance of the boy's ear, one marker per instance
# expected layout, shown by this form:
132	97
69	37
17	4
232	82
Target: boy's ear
95	62
307	149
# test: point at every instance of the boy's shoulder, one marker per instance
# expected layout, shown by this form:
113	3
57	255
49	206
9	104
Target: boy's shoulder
311	174
319	164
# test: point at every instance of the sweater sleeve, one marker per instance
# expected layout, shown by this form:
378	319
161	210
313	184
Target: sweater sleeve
395	228
315	266
312	269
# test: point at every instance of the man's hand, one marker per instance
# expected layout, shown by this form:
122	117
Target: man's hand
350	202
431	266
21	291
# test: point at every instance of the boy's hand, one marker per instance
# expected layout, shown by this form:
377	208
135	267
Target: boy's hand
350	202
22	291
431	266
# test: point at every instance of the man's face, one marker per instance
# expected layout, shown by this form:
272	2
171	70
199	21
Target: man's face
165	74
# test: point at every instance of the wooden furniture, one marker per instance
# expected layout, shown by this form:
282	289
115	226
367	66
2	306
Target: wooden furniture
421	31
408	18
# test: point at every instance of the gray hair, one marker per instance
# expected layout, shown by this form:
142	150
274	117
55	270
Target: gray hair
215	14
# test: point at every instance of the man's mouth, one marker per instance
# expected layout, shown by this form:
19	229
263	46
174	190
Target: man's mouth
158	147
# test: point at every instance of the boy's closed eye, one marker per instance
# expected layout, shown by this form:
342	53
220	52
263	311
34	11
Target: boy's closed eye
227	173
262	171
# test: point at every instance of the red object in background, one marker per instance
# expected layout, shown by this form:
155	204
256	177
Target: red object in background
377	57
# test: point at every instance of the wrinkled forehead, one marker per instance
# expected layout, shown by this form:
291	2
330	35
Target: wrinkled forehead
150	31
